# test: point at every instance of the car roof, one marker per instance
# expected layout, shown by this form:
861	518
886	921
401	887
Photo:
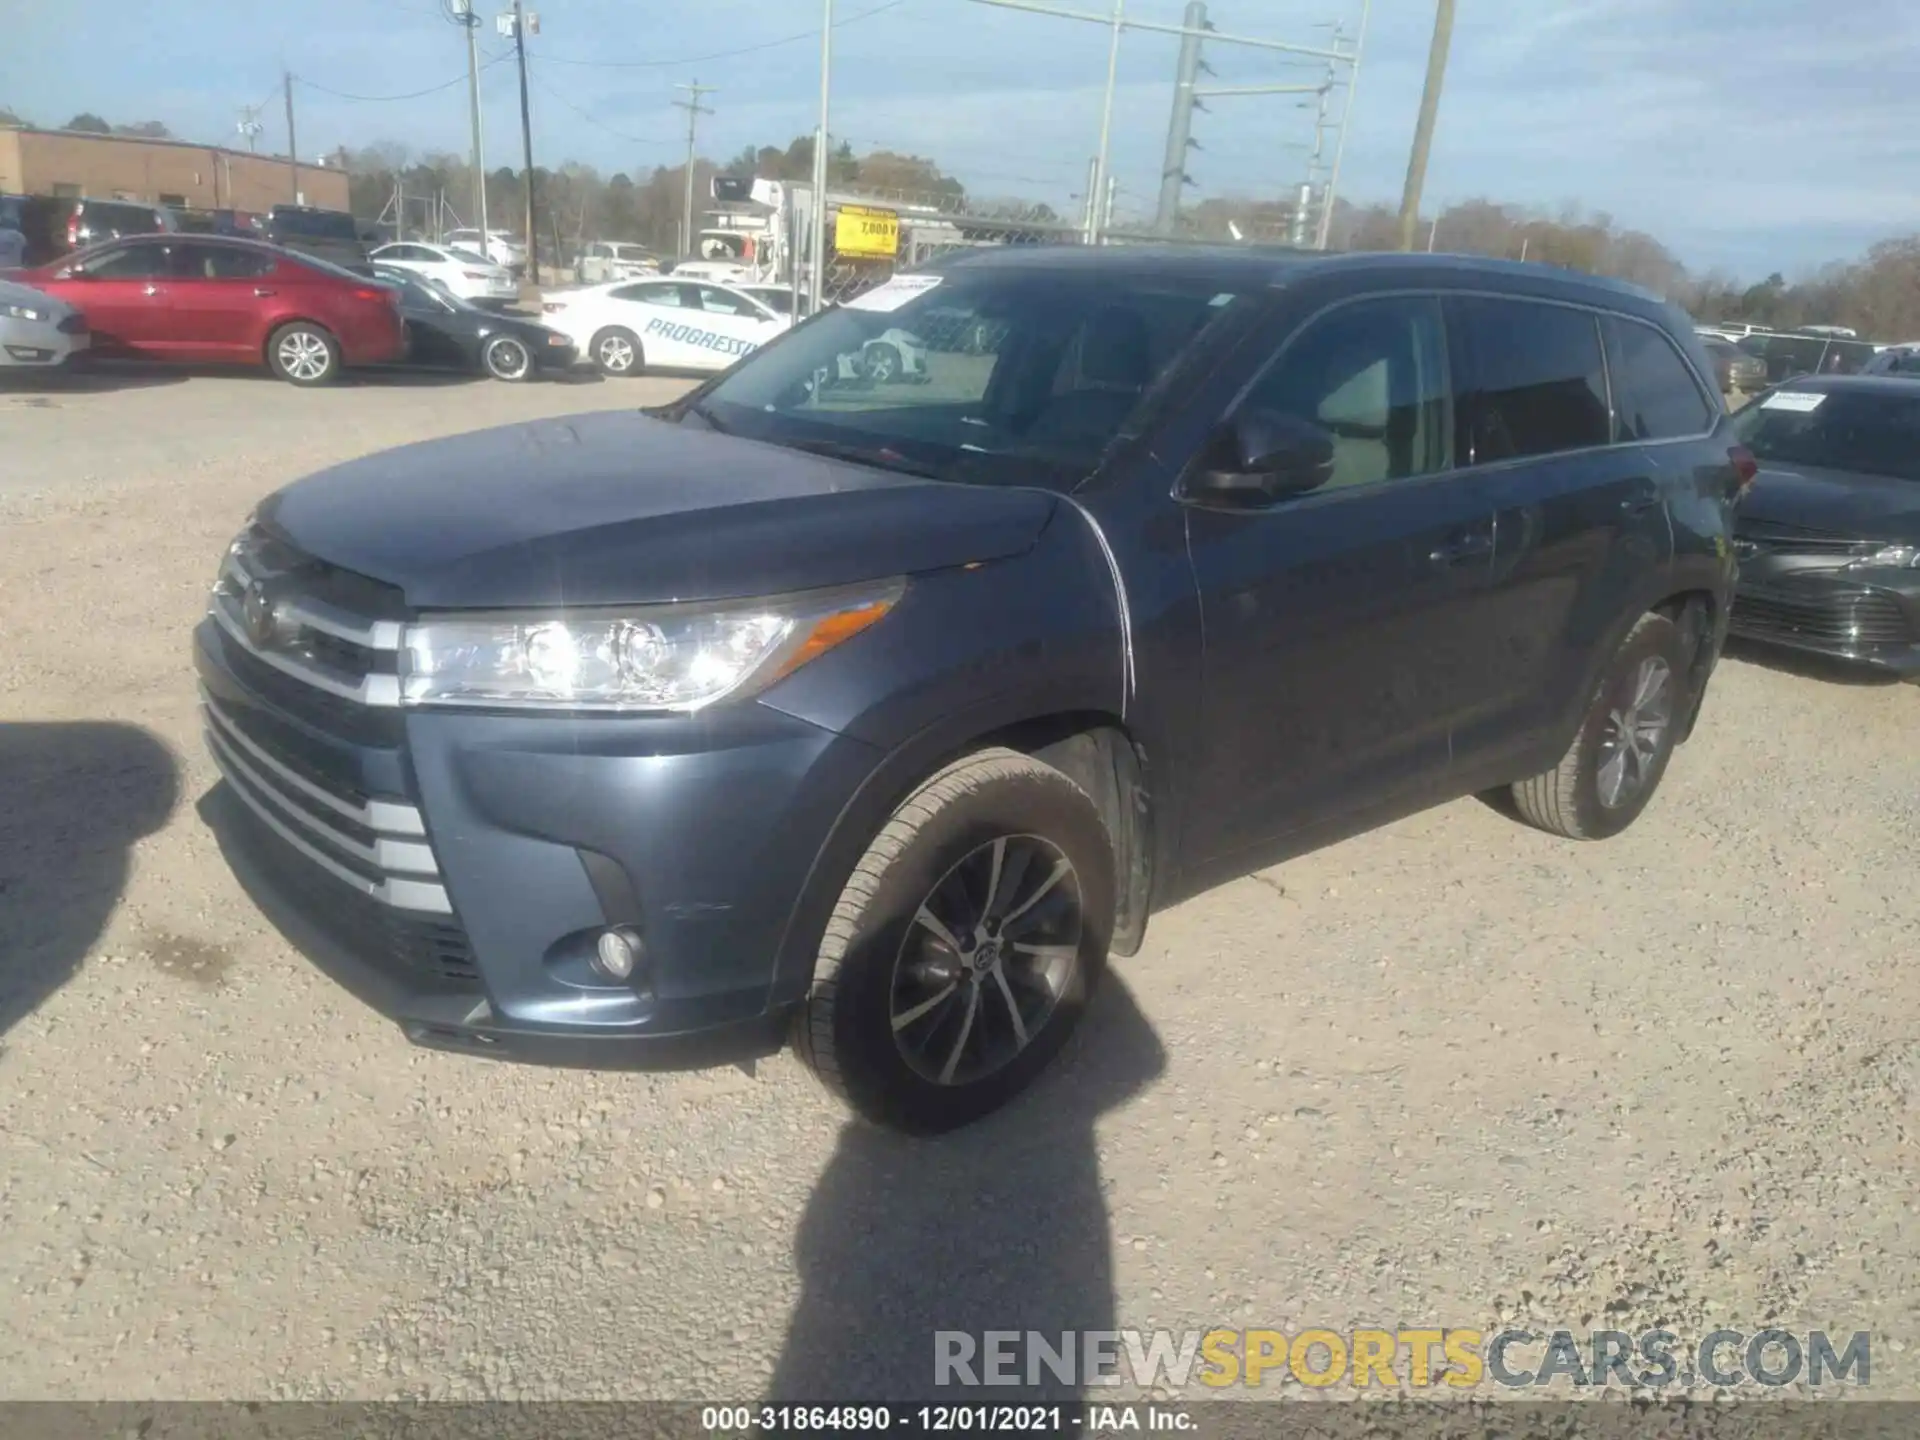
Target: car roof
1280	264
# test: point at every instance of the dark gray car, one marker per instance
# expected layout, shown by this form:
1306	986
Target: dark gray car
880	716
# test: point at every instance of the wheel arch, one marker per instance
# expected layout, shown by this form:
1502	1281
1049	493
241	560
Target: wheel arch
1092	746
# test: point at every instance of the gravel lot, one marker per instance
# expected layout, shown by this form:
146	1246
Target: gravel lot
1449	1073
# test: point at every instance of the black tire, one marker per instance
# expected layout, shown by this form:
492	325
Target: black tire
507	358
616	351
302	353
1572	799
881	363
846	1030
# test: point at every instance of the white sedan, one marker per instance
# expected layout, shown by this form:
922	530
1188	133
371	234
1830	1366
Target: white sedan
37	331
667	323
460	272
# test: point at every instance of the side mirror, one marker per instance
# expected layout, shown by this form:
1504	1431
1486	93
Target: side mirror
1260	457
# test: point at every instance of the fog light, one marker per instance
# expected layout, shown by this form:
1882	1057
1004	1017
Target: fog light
617	952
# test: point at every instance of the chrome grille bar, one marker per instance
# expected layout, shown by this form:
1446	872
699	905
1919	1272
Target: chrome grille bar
387	816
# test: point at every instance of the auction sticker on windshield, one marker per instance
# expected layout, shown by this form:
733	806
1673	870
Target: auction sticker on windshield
894	293
1802	401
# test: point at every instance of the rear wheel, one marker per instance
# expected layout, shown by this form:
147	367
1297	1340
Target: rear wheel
507	359
617	352
303	354
1616	762
964	946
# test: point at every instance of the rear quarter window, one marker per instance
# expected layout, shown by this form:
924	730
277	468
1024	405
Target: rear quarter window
1655	395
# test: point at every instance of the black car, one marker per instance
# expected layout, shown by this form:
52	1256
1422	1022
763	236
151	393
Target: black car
446	332
1829	538
879	718
1789	354
55	226
331	235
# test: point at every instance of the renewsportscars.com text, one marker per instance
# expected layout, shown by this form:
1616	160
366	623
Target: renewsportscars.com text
1390	1359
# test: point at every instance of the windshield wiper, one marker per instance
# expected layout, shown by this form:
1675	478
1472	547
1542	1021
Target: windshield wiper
705	412
877	456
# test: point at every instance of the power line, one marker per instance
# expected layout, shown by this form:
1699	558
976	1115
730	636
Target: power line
384	99
724	54
553	94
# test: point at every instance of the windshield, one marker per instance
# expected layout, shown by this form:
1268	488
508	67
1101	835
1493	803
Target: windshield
995	376
1871	432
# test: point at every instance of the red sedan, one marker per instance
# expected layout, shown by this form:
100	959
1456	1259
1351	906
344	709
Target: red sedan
211	300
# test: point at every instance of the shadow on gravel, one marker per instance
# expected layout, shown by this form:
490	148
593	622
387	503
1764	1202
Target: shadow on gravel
73	799
1807	667
1001	1226
91	379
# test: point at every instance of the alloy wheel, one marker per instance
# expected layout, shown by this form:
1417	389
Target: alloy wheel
985	960
304	355
508	359
616	353
1634	732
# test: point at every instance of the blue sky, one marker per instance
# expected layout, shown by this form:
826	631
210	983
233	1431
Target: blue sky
1781	140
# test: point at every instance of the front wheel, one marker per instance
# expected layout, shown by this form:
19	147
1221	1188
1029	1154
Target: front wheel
964	946
1610	772
617	352
507	359
303	354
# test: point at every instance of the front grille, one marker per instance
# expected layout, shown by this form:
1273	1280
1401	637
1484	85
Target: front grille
330	630
1761	537
375	846
74	324
1838	617
427	953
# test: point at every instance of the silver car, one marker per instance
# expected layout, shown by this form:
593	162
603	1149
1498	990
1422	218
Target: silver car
38	332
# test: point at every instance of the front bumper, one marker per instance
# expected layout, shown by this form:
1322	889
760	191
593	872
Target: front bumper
32	345
1834	616
539	832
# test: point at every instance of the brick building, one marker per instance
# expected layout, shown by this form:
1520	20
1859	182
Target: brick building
160	172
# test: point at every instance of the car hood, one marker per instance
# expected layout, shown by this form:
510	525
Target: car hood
1840	502
620	508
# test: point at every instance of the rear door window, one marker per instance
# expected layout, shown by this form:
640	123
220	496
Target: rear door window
199	261
1529	378
1655	396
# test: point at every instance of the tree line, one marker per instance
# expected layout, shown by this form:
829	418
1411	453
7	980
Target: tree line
1877	294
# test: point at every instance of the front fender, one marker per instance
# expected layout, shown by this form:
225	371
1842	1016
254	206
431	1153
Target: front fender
967	654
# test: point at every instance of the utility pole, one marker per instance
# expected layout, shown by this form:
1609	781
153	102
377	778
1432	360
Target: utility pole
467	20
818	238
694	110
1106	113
1423	128
518	22
293	147
1089	208
1325	237
1173	172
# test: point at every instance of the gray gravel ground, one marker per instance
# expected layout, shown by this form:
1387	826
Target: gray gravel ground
1451	1073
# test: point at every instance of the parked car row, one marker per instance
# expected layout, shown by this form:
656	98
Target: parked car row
209	298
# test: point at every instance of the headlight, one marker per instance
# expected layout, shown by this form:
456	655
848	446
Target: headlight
1887	557
24	312
664	657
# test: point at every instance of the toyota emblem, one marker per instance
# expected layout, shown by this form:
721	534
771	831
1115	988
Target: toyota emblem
258	612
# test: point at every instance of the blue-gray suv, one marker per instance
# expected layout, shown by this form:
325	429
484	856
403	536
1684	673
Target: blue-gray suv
877	715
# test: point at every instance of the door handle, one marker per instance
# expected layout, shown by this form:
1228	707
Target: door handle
1643	499
1477	545
150	290
264	290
